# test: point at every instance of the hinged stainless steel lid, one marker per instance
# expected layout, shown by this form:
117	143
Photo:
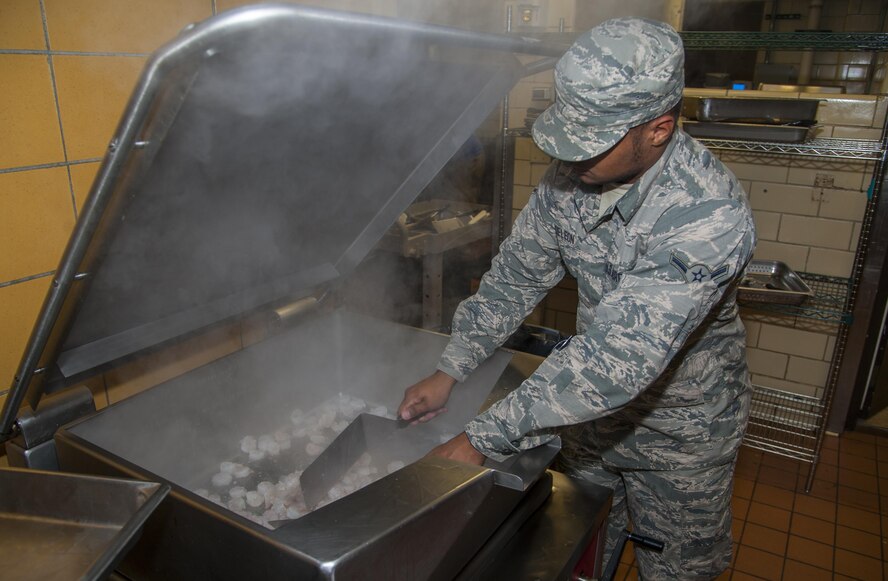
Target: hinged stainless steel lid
262	154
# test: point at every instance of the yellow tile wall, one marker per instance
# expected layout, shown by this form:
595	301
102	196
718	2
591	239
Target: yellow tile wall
21	25
119	26
379	7
87	84
28	116
38	213
67	69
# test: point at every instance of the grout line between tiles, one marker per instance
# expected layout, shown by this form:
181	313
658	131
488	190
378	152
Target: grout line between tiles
26	279
70	52
71	189
49	165
55	94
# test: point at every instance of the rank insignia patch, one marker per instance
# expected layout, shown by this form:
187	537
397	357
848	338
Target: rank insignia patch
700	272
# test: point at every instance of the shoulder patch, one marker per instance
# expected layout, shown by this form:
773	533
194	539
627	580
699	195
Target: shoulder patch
698	272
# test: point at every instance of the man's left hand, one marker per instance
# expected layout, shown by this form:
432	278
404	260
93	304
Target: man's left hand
459	449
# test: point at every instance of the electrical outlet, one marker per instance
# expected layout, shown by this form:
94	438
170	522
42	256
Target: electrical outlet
529	15
824	180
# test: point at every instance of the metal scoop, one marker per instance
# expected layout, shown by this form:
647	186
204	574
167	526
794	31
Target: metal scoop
366	433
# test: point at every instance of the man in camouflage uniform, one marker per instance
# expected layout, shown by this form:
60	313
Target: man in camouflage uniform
652	395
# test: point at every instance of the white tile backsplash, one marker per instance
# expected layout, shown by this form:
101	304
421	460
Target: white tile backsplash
792	341
522	173
820	232
536	172
840	132
767	224
830	262
788	386
775	197
752	332
537	156
855	236
805	176
520	196
757	172
523	146
767	362
843	205
795	256
810	371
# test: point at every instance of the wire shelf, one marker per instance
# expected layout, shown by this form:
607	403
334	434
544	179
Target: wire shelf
698	40
829	303
784	423
862	149
731	40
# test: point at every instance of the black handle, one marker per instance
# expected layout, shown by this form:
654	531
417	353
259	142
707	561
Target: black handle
647	542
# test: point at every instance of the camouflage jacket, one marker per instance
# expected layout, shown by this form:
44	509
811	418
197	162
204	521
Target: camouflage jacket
656	377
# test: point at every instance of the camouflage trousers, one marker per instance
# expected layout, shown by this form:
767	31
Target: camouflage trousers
689	510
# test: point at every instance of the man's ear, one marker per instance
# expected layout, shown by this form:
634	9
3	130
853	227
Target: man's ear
661	129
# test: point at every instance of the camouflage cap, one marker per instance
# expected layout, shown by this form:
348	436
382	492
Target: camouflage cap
622	73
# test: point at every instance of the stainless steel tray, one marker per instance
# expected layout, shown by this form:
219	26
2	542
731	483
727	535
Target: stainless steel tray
772	281
65	526
750	131
767	111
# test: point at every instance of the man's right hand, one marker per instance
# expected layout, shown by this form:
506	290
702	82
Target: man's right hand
425	399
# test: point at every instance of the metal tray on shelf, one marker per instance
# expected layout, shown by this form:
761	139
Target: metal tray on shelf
766	111
750	131
772	281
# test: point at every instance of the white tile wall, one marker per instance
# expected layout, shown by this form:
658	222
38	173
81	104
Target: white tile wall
752	332
821	232
843	204
855	235
805	176
795	256
856	133
810	371
784	385
522	173
779	197
537	170
830	262
537	156
757	172
830	348
792	341
520	196
767	362
767	224
523	146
